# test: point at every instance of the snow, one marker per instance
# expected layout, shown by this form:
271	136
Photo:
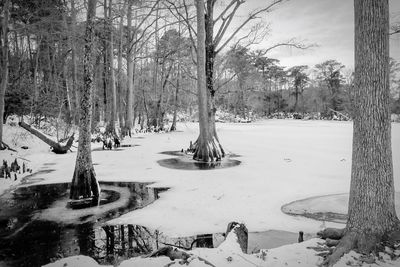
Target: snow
75	261
331	203
282	161
36	155
230	254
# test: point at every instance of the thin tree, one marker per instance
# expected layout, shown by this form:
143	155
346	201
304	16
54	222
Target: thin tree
84	183
300	80
371	215
130	70
4	66
114	115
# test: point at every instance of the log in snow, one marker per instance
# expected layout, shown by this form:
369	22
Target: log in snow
56	147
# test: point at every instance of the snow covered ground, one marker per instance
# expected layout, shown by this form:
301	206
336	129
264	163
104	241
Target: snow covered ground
282	161
229	254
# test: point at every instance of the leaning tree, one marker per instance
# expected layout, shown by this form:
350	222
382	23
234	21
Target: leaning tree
84	183
371	215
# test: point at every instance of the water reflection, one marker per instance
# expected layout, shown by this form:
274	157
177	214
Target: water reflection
185	163
36	227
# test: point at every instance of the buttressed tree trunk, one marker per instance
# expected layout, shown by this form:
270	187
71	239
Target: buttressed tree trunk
371	216
4	72
207	147
84	183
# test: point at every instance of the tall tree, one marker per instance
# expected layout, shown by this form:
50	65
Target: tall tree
371	215
204	150
299	81
114	115
130	70
4	66
84	183
329	73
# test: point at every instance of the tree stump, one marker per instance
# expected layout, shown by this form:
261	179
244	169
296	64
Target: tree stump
241	232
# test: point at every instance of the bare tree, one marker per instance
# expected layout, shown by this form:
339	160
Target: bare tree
217	27
84	183
371	215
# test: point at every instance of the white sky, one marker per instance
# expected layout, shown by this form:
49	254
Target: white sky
328	23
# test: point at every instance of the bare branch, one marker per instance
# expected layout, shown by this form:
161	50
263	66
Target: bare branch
225	23
251	17
225	10
226	82
290	43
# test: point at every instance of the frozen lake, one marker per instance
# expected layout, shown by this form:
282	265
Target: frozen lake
281	161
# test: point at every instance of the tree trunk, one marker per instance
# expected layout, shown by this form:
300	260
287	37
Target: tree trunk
105	66
178	81
130	69
114	117
75	87
57	147
84	183
371	206
120	87
371	216
206	145
4	72
210	59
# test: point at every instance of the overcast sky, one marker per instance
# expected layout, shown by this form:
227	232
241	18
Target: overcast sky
328	23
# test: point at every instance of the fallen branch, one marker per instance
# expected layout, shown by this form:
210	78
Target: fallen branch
5	146
177	254
56	147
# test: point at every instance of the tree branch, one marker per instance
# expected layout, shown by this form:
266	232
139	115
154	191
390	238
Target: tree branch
251	17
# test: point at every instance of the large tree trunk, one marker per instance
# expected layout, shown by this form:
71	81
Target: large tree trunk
209	63
372	190
371	216
4	72
207	145
84	183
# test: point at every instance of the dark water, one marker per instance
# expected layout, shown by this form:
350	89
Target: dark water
31	234
185	162
36	227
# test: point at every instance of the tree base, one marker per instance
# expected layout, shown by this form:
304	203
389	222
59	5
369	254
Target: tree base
344	241
84	185
208	151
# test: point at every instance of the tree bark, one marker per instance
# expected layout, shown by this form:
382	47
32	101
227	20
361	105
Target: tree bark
4	73
371	205
84	183
75	86
371	216
206	145
130	69
57	147
114	117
